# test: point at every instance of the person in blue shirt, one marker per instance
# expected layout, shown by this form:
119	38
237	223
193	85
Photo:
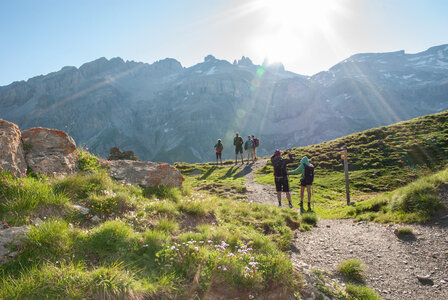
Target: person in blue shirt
303	182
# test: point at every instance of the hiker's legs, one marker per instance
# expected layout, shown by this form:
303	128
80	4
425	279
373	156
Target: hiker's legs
279	198
302	190
308	189
242	160
288	196
255	153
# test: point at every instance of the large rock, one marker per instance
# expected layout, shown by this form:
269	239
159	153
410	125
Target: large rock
117	154
49	150
146	173
11	152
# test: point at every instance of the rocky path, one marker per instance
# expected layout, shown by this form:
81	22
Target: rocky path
393	265
256	192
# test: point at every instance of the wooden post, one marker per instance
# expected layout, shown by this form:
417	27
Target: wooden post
347	190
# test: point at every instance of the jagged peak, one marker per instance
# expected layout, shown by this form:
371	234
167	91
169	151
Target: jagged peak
209	58
245	61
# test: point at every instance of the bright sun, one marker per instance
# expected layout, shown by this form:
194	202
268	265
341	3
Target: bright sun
290	24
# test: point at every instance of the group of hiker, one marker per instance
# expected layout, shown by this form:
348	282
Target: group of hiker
250	146
305	168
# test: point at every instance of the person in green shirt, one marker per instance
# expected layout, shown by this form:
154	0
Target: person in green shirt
238	143
304	182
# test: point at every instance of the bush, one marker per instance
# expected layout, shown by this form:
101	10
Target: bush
352	269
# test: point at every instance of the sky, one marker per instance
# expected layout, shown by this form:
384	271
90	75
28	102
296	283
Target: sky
307	36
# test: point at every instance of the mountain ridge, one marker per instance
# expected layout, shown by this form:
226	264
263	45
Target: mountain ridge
164	111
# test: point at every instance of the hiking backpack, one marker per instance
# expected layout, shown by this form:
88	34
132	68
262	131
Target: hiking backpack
257	142
309	174
219	147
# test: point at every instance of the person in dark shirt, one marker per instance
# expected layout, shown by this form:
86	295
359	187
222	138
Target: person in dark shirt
281	175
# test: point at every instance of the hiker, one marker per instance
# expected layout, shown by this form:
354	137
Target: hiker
219	147
281	175
256	142
238	142
249	147
307	170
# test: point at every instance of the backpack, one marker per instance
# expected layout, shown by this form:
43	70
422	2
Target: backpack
219	147
309	174
278	165
257	142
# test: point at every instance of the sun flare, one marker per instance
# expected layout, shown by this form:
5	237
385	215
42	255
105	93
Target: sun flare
290	24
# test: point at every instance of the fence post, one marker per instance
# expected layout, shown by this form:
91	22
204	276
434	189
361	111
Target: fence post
344	157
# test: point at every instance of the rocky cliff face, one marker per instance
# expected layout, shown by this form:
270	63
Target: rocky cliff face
165	112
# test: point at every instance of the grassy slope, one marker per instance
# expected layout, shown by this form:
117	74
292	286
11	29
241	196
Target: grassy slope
380	160
155	243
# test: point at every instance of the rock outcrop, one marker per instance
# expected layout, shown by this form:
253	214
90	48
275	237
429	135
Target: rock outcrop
117	154
11	152
146	173
13	235
49	150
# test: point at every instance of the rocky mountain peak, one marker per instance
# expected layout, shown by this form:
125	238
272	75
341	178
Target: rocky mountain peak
209	58
245	61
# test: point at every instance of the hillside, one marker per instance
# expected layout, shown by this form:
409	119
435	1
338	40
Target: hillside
89	236
380	160
166	112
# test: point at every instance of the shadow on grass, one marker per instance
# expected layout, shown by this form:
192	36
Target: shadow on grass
232	170
208	173
247	169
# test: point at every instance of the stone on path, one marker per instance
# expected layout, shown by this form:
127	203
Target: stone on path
146	173
49	150
11	152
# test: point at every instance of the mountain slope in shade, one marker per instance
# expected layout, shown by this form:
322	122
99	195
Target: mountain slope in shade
165	112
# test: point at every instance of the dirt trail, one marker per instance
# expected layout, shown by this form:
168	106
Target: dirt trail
256	192
393	265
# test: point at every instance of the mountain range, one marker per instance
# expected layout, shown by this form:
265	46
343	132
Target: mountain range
166	112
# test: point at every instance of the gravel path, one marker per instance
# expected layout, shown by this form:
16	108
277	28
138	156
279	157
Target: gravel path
260	193
256	192
393	264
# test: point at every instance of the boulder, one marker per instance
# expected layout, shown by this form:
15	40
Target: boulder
11	151
146	173
117	154
14	235
49	150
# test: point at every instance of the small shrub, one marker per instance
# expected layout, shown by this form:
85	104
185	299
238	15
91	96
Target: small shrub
309	218
358	292
405	231
352	269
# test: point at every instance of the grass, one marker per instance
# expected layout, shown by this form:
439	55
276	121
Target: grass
310	218
352	269
405	232
225	181
390	172
359	292
157	243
